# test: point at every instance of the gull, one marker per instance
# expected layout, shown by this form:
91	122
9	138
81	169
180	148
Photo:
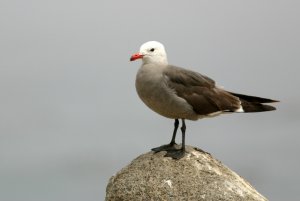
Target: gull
179	93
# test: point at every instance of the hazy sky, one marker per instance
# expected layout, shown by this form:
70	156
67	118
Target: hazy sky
70	116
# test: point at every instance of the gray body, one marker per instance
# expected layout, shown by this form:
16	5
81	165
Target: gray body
178	93
153	88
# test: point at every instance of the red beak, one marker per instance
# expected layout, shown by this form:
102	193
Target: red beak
136	56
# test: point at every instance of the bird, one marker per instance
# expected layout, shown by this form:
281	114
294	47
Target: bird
178	93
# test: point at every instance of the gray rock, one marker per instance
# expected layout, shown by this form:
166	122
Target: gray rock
197	176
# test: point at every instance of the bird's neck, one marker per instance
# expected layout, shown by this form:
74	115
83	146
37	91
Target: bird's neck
157	61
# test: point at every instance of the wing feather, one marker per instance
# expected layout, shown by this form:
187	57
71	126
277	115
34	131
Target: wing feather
200	91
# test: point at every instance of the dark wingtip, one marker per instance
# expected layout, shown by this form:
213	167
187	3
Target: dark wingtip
254	99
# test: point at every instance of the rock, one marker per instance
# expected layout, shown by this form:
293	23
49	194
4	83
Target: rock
197	176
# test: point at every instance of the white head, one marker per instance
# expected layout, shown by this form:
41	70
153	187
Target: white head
151	52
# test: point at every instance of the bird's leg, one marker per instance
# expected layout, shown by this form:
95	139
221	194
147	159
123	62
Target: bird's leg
176	124
172	144
178	153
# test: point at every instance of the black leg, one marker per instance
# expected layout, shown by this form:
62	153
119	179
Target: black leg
179	153
176	124
170	146
183	128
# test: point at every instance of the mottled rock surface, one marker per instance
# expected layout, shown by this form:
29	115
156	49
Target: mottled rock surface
197	176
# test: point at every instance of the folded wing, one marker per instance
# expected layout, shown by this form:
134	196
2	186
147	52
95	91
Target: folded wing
206	98
200	91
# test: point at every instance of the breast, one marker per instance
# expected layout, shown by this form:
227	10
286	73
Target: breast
152	89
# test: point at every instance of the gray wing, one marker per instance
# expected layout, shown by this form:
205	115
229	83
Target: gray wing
200	91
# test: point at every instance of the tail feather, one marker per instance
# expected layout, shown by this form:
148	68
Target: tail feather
254	103
256	107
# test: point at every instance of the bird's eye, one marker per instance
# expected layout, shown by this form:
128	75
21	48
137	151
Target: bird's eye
152	49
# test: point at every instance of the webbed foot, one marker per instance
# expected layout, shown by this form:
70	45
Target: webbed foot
176	154
166	147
